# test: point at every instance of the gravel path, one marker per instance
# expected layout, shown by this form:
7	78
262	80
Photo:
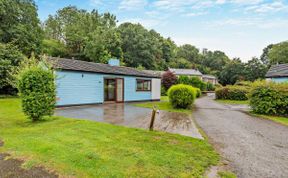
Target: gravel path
254	147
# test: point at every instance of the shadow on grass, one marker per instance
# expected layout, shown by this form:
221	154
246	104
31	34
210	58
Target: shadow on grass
45	120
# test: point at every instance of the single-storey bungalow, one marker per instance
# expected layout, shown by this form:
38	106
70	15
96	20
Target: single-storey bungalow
81	82
278	73
194	73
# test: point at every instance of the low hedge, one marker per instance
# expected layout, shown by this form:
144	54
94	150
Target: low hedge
232	93
269	98
182	96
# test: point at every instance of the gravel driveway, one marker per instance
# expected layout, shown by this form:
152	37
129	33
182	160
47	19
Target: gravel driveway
254	147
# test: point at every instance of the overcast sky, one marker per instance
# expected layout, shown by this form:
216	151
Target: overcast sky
240	28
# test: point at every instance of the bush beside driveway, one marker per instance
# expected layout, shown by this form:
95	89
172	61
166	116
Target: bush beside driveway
253	146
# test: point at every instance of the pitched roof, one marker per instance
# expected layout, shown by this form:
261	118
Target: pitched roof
209	76
155	72
280	70
185	71
77	65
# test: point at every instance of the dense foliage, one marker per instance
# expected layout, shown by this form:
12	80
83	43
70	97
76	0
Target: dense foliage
232	93
270	98
10	57
210	86
168	79
193	81
19	24
182	96
278	53
88	35
37	92
198	92
96	37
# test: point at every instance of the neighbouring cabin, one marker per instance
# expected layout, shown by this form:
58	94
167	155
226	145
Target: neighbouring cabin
210	79
278	73
195	73
81	82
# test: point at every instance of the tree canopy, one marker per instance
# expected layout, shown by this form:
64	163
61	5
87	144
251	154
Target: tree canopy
19	24
278	54
96	37
88	35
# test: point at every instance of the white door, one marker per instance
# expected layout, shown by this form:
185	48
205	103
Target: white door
156	89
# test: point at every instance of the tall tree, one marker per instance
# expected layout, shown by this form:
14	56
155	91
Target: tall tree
88	35
19	24
180	63
138	46
10	57
189	52
215	60
254	69
233	71
264	56
278	54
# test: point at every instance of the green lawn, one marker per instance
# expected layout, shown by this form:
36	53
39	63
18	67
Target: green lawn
281	120
233	101
226	174
162	105
83	148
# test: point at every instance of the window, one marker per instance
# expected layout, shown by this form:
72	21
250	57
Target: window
143	85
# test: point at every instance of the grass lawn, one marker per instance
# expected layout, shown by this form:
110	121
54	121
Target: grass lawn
226	174
163	105
83	148
281	120
233	101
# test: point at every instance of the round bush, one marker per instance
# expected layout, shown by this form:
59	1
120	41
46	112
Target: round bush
37	91
181	96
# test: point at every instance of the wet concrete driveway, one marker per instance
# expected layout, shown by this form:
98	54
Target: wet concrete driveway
131	116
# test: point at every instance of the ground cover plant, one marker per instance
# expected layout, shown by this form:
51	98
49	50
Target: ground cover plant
82	148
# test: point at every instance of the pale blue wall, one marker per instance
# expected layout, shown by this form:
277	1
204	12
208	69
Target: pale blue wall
72	88
130	93
281	79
